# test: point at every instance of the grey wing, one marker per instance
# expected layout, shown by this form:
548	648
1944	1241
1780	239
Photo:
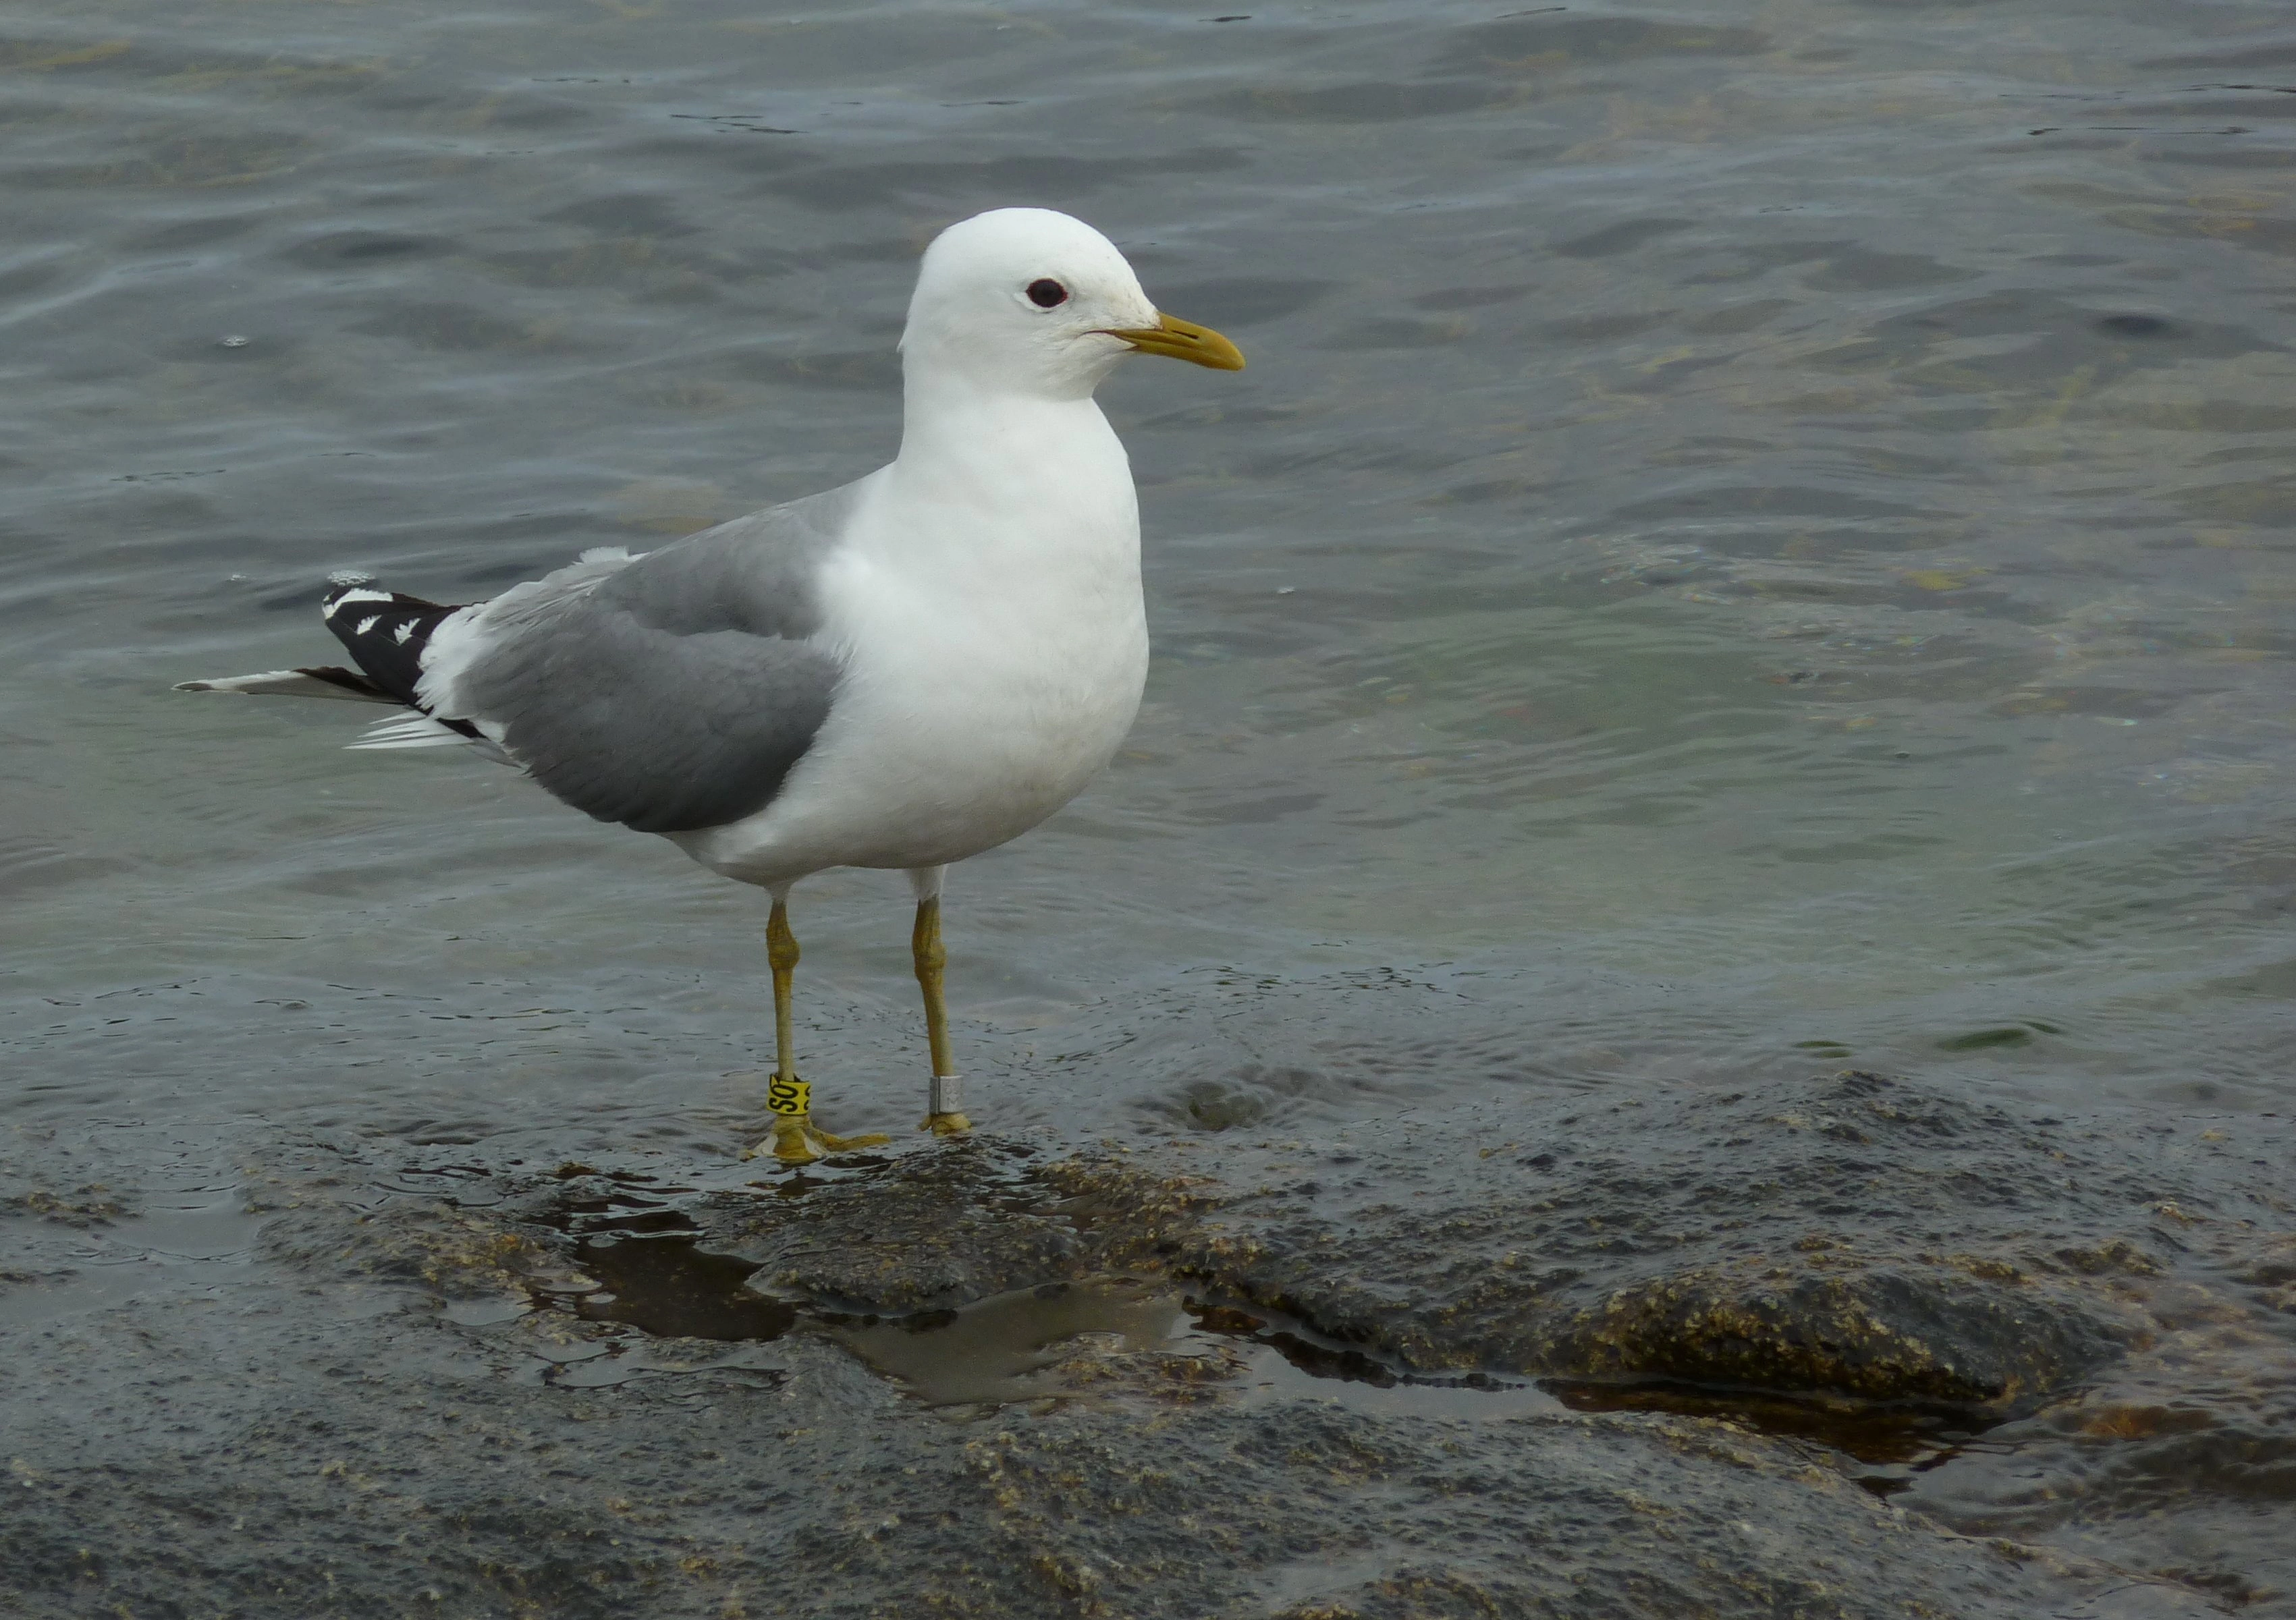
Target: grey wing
673	692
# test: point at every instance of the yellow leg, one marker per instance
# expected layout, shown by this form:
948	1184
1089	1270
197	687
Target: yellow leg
781	956
795	1139
947	1115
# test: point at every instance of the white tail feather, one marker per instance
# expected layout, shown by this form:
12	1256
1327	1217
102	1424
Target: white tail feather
421	732
282	684
409	732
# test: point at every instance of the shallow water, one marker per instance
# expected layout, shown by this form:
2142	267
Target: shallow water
1754	538
1731	542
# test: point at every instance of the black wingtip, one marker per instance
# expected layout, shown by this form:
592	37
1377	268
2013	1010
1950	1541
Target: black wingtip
386	633
349	680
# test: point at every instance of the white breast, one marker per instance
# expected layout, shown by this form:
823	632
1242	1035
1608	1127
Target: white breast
996	646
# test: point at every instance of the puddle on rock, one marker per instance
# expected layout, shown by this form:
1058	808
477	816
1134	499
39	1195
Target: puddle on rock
1004	1348
638	1253
641	1251
665	1286
1063	1341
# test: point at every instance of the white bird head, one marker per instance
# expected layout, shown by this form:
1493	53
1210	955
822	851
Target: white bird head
1026	300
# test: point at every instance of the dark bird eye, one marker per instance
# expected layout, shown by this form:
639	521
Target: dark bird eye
1046	293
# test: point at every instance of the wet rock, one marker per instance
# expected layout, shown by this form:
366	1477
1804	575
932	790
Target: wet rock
1852	1235
1310	1510
931	1231
459	1252
61	1185
2178	1460
1880	1335
90	1204
393	1462
416	1401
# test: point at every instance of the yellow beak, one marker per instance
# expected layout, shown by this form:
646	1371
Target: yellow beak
1184	340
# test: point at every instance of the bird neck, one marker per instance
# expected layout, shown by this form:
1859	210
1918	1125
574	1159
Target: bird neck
1023	459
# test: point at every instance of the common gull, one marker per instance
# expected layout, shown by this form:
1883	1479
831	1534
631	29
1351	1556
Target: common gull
900	672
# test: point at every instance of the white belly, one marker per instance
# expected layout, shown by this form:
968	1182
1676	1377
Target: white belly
961	724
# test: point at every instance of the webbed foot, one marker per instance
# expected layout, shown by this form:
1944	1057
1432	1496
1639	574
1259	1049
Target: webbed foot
798	1140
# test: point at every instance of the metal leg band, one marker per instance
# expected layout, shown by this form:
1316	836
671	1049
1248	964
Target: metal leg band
948	1094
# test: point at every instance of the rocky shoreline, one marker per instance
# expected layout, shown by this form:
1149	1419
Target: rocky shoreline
1840	1345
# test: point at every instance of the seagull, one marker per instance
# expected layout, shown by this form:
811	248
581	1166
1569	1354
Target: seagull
900	672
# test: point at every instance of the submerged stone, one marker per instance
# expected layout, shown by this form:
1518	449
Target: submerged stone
1847	1236
1880	1334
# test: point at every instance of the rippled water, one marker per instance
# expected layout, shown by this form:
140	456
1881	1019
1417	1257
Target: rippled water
1749	534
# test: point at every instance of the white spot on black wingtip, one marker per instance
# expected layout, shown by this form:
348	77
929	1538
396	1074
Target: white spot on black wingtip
387	633
350	576
336	609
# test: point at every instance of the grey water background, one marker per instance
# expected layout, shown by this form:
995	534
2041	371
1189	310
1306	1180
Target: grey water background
1752	535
